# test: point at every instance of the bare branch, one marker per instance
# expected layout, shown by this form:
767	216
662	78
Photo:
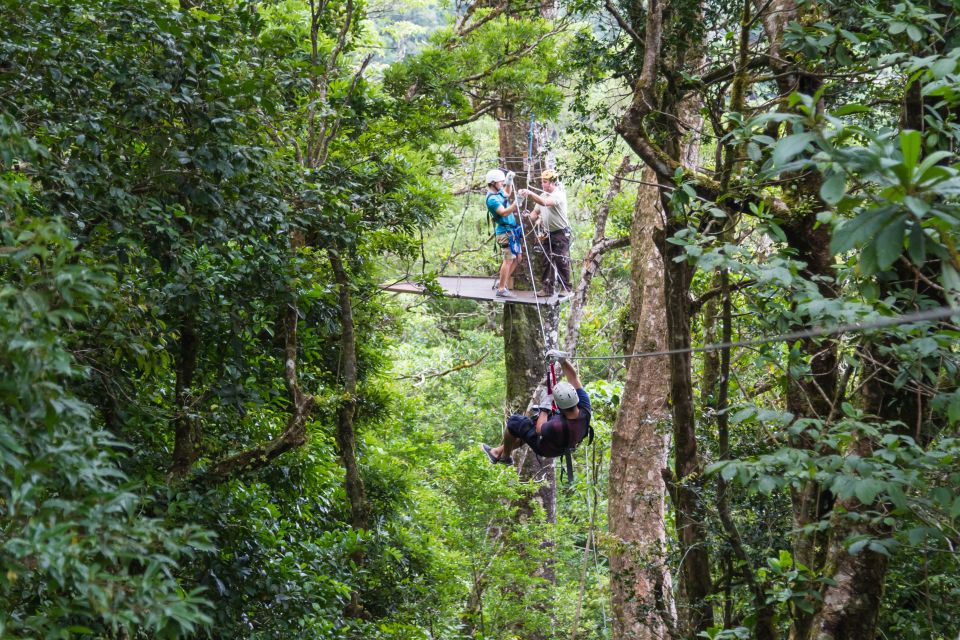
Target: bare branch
591	263
294	434
324	146
623	23
422	376
475	116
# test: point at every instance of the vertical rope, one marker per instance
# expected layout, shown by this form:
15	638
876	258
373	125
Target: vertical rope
523	235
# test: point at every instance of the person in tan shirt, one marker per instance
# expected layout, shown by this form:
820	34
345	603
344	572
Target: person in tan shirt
552	212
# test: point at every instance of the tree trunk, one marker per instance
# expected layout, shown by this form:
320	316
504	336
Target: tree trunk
688	473
186	434
640	580
851	603
811	393
525	331
345	436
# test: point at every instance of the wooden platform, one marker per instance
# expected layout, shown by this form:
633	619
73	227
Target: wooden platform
476	288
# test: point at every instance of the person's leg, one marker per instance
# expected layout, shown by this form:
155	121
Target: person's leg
509	444
513	267
561	258
505	271
546	270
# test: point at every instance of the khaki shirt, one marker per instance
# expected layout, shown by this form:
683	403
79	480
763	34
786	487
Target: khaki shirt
554	218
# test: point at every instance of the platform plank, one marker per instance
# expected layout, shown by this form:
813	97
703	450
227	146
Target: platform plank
475	288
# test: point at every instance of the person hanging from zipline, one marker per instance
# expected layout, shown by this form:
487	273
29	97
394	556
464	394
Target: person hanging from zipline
552	213
554	433
508	231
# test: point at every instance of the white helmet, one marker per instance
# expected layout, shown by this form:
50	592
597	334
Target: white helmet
565	395
495	175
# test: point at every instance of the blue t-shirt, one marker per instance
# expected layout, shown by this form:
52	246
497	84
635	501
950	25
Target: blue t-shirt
494	202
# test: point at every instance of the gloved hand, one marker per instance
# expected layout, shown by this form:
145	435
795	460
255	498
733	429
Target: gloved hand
510	176
546	402
555	355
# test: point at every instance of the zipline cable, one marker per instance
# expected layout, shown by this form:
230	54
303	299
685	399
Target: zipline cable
855	327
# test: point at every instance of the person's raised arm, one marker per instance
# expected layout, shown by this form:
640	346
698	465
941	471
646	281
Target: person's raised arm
571	374
546	199
503	211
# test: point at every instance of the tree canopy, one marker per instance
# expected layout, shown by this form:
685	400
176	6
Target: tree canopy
215	423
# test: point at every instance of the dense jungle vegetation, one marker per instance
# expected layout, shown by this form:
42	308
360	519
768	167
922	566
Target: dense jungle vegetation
214	423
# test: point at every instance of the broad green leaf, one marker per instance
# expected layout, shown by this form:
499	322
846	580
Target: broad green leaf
832	189
856	232
850	109
951	282
867	489
916	248
889	243
789	147
910	144
953	408
942	67
857	547
729	472
766	485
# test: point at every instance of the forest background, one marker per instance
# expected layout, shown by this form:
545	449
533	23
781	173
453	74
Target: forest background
215	424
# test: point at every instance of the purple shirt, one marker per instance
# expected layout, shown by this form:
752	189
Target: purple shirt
553	442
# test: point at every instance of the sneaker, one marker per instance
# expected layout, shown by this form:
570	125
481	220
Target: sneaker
494	459
504	293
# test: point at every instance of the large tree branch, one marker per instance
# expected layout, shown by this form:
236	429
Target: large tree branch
623	23
294	434
422	376
463	31
476	115
345	436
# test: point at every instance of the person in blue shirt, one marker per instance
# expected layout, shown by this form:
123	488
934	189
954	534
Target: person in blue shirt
508	232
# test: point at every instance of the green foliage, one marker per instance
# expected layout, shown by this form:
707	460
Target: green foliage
79	555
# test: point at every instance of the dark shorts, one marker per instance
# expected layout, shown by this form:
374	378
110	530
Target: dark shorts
523	428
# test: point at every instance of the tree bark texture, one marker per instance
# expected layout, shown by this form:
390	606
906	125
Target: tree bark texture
812	378
640	580
186	433
688	472
345	435
851	603
654	108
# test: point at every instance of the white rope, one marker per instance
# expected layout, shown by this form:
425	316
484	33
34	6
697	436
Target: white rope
533	280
